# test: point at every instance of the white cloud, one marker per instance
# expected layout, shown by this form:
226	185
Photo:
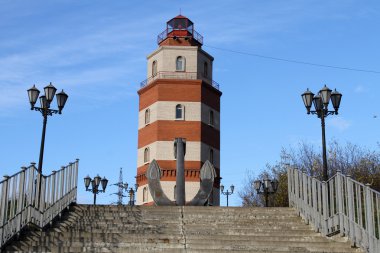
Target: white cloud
105	55
339	123
360	89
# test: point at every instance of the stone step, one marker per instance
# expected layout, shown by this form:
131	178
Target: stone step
164	247
233	232
207	210
88	228
247	223
69	240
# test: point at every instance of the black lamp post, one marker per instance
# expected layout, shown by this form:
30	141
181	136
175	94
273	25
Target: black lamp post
45	101
132	193
321	103
95	185
227	193
266	187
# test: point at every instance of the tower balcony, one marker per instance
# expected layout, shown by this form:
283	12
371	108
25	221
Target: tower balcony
179	75
176	33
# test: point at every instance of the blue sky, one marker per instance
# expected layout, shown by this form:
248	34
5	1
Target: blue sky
96	51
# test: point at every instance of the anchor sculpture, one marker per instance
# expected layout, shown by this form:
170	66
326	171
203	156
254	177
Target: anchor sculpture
207	175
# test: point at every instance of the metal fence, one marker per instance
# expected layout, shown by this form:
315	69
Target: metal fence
22	203
164	34
339	206
178	75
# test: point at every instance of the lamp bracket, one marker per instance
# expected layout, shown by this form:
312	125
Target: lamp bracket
326	113
48	112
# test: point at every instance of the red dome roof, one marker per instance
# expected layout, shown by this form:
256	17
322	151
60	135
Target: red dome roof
180	16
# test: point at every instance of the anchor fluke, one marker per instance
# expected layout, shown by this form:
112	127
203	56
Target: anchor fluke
154	174
207	176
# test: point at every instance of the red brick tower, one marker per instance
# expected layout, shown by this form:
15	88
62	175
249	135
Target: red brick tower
179	99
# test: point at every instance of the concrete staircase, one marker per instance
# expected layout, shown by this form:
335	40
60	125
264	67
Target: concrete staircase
178	229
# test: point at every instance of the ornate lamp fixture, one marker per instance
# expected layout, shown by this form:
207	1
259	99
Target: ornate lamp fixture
321	103
266	187
95	185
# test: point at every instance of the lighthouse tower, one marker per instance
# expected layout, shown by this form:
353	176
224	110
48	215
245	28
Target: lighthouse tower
178	99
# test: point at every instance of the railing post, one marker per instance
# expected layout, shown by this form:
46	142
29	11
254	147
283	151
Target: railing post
48	203
324	208
13	205
314	192
70	179
305	197
53	193
42	200
309	200
21	198
62	185
290	186
31	192
4	204
339	192
297	191
351	217
369	218
75	178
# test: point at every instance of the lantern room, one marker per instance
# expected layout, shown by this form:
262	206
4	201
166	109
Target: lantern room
180	25
180	30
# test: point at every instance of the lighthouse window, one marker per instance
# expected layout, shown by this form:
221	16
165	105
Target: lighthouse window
147	116
145	195
211	156
146	155
154	68
211	120
179	111
180	63
205	72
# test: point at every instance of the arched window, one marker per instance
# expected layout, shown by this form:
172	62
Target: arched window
146	155
211	119
205	69
147	116
211	156
180	63
179	111
175	192
145	194
154	68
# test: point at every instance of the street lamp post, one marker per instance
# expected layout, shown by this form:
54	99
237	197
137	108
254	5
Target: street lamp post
321	103
45	110
95	185
227	193
45	101
266	187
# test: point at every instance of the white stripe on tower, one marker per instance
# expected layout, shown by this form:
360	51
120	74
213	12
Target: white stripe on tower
163	150
165	110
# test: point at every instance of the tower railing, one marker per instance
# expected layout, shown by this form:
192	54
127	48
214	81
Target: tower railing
166	33
178	75
23	203
339	206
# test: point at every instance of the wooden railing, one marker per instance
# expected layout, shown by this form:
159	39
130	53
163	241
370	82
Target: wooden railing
339	206
23	201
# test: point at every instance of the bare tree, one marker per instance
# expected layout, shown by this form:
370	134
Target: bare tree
361	163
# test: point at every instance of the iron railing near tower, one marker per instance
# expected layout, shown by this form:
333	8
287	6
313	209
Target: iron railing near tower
179	75
19	193
194	34
340	205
